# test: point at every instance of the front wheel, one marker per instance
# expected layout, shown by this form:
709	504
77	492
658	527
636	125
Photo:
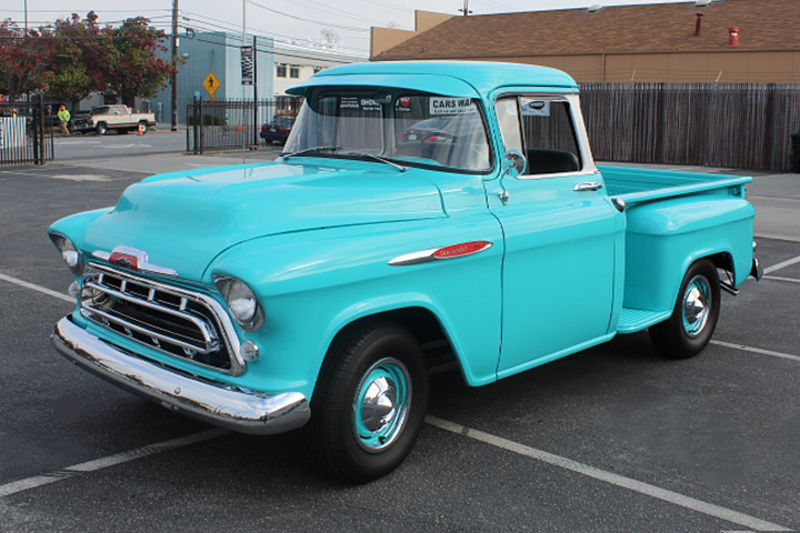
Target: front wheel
694	316
370	402
102	128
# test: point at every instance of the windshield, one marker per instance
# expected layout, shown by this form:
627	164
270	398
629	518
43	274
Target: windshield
412	129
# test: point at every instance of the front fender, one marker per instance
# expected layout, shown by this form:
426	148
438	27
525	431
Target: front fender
313	284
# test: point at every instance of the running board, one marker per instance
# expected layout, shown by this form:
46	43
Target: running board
633	320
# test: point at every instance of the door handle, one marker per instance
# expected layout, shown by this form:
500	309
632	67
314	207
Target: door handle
588	186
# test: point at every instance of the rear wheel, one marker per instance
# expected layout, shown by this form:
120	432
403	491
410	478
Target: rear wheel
369	404
143	127
694	316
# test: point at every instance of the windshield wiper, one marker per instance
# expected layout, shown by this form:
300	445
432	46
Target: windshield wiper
311	150
401	168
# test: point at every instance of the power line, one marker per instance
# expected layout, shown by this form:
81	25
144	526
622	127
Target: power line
233	28
338	12
390	5
326	24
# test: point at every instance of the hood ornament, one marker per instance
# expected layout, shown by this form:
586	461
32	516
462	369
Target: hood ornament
133	259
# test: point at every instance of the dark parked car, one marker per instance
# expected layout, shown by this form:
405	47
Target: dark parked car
277	130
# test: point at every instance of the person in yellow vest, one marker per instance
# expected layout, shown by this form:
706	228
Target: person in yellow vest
64	116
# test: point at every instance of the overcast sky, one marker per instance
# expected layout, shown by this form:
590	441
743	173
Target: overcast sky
346	22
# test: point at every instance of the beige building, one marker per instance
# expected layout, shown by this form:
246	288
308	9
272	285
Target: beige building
295	66
723	40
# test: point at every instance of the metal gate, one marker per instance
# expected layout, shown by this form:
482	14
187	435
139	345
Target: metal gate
26	135
228	125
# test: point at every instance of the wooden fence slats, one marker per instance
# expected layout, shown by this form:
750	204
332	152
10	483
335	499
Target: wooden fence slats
730	125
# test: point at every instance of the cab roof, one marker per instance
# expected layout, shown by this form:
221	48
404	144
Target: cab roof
454	78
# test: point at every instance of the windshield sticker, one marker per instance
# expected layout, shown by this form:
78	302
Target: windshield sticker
363	104
368	104
535	108
349	102
451	106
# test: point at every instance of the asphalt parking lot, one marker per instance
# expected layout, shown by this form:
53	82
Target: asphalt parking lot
615	439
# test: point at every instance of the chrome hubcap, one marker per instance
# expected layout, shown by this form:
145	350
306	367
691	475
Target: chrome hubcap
381	404
696	306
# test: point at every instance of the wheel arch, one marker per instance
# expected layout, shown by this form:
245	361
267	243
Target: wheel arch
419	318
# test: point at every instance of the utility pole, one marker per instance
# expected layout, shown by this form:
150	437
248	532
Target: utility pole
255	91
465	9
26	18
174	75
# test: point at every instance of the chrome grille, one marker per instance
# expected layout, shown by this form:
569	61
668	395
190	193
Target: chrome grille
175	321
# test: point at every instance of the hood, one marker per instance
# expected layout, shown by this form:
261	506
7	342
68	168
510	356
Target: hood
184	220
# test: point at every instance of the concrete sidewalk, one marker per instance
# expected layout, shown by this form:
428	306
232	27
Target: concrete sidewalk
776	195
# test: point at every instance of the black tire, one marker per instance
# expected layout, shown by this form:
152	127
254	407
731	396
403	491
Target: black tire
369	404
143	127
101	128
694	316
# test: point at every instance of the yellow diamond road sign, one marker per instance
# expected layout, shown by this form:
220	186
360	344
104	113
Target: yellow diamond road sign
211	83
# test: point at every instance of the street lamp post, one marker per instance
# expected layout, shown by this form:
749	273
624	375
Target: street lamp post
174	75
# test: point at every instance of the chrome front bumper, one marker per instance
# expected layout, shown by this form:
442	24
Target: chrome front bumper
210	401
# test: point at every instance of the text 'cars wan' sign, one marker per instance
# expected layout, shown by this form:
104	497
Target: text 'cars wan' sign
451	106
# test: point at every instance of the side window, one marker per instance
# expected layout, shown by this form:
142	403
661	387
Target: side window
548	133
508	120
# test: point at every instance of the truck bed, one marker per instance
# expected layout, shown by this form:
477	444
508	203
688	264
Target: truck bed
640	185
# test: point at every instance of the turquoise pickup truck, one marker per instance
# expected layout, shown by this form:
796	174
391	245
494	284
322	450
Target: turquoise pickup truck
421	214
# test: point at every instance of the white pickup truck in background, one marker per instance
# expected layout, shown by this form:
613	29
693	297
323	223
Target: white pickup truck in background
114	117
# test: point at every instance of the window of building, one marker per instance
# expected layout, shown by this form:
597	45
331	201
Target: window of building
294	72
280	71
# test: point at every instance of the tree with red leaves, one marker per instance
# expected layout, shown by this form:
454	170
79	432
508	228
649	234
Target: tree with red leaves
74	58
24	61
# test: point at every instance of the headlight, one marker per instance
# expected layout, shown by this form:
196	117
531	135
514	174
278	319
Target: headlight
241	301
70	254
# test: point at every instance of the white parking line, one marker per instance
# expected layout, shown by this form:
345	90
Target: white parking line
779	266
756	350
39	288
22	485
778	278
607	477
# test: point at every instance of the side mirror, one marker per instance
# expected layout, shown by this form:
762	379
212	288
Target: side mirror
513	162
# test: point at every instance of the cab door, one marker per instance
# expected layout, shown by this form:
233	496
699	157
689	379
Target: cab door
560	230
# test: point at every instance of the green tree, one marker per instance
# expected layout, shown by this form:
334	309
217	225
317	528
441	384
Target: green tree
136	70
71	81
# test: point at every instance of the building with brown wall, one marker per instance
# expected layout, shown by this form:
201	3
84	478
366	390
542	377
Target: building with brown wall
677	42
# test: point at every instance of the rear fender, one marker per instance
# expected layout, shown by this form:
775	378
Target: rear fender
665	237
